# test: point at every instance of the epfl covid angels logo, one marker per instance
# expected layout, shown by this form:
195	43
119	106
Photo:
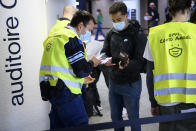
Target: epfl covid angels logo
175	50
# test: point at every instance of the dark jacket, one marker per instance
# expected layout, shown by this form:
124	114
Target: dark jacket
154	13
133	43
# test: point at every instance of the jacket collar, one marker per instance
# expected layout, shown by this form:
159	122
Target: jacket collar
63	19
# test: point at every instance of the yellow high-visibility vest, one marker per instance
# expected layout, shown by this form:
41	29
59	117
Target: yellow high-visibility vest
55	64
59	25
173	48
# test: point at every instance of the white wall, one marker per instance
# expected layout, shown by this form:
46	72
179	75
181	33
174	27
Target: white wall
21	107
104	6
134	4
162	5
54	9
23	29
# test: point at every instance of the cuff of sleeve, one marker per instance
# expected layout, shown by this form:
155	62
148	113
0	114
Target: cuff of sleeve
82	80
154	104
91	62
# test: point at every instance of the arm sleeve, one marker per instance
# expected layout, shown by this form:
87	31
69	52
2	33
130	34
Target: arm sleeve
149	82
149	11
149	76
156	15
147	53
106	46
74	52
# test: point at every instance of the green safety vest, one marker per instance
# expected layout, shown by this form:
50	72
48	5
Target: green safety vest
173	48
59	25
54	62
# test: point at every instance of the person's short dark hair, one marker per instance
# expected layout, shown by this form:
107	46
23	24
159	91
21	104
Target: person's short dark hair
193	17
179	5
170	2
118	7
81	16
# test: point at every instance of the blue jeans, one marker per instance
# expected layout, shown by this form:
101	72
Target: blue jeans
67	110
127	95
99	29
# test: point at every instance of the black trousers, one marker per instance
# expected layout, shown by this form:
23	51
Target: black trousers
92	94
182	125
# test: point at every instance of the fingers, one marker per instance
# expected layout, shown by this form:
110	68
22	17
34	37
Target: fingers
120	67
155	111
89	80
109	63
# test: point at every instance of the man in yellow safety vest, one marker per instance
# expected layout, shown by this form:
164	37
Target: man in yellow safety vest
64	69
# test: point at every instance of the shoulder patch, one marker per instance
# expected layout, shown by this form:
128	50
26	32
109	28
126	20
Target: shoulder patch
80	42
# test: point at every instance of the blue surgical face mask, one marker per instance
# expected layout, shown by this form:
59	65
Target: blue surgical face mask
119	26
86	37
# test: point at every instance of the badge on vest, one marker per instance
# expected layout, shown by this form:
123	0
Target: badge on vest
49	45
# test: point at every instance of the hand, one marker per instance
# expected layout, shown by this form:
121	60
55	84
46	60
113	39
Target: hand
88	80
155	111
149	17
123	67
95	61
109	63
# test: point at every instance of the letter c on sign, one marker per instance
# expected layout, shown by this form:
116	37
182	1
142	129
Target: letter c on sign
8	6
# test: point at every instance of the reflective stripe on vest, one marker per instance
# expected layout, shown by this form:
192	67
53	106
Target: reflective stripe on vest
49	77
67	82
72	84
176	90
57	69
175	76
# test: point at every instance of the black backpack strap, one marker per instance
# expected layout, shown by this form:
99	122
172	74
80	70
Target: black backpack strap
109	35
138	31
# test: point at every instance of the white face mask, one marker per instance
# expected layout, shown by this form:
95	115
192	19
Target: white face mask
119	26
192	4
86	37
146	18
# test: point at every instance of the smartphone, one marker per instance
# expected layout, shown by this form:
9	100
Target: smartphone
102	56
106	60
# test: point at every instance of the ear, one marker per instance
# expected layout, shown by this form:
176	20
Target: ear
126	16
78	28
80	25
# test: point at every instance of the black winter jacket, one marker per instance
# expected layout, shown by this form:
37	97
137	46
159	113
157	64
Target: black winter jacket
131	42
